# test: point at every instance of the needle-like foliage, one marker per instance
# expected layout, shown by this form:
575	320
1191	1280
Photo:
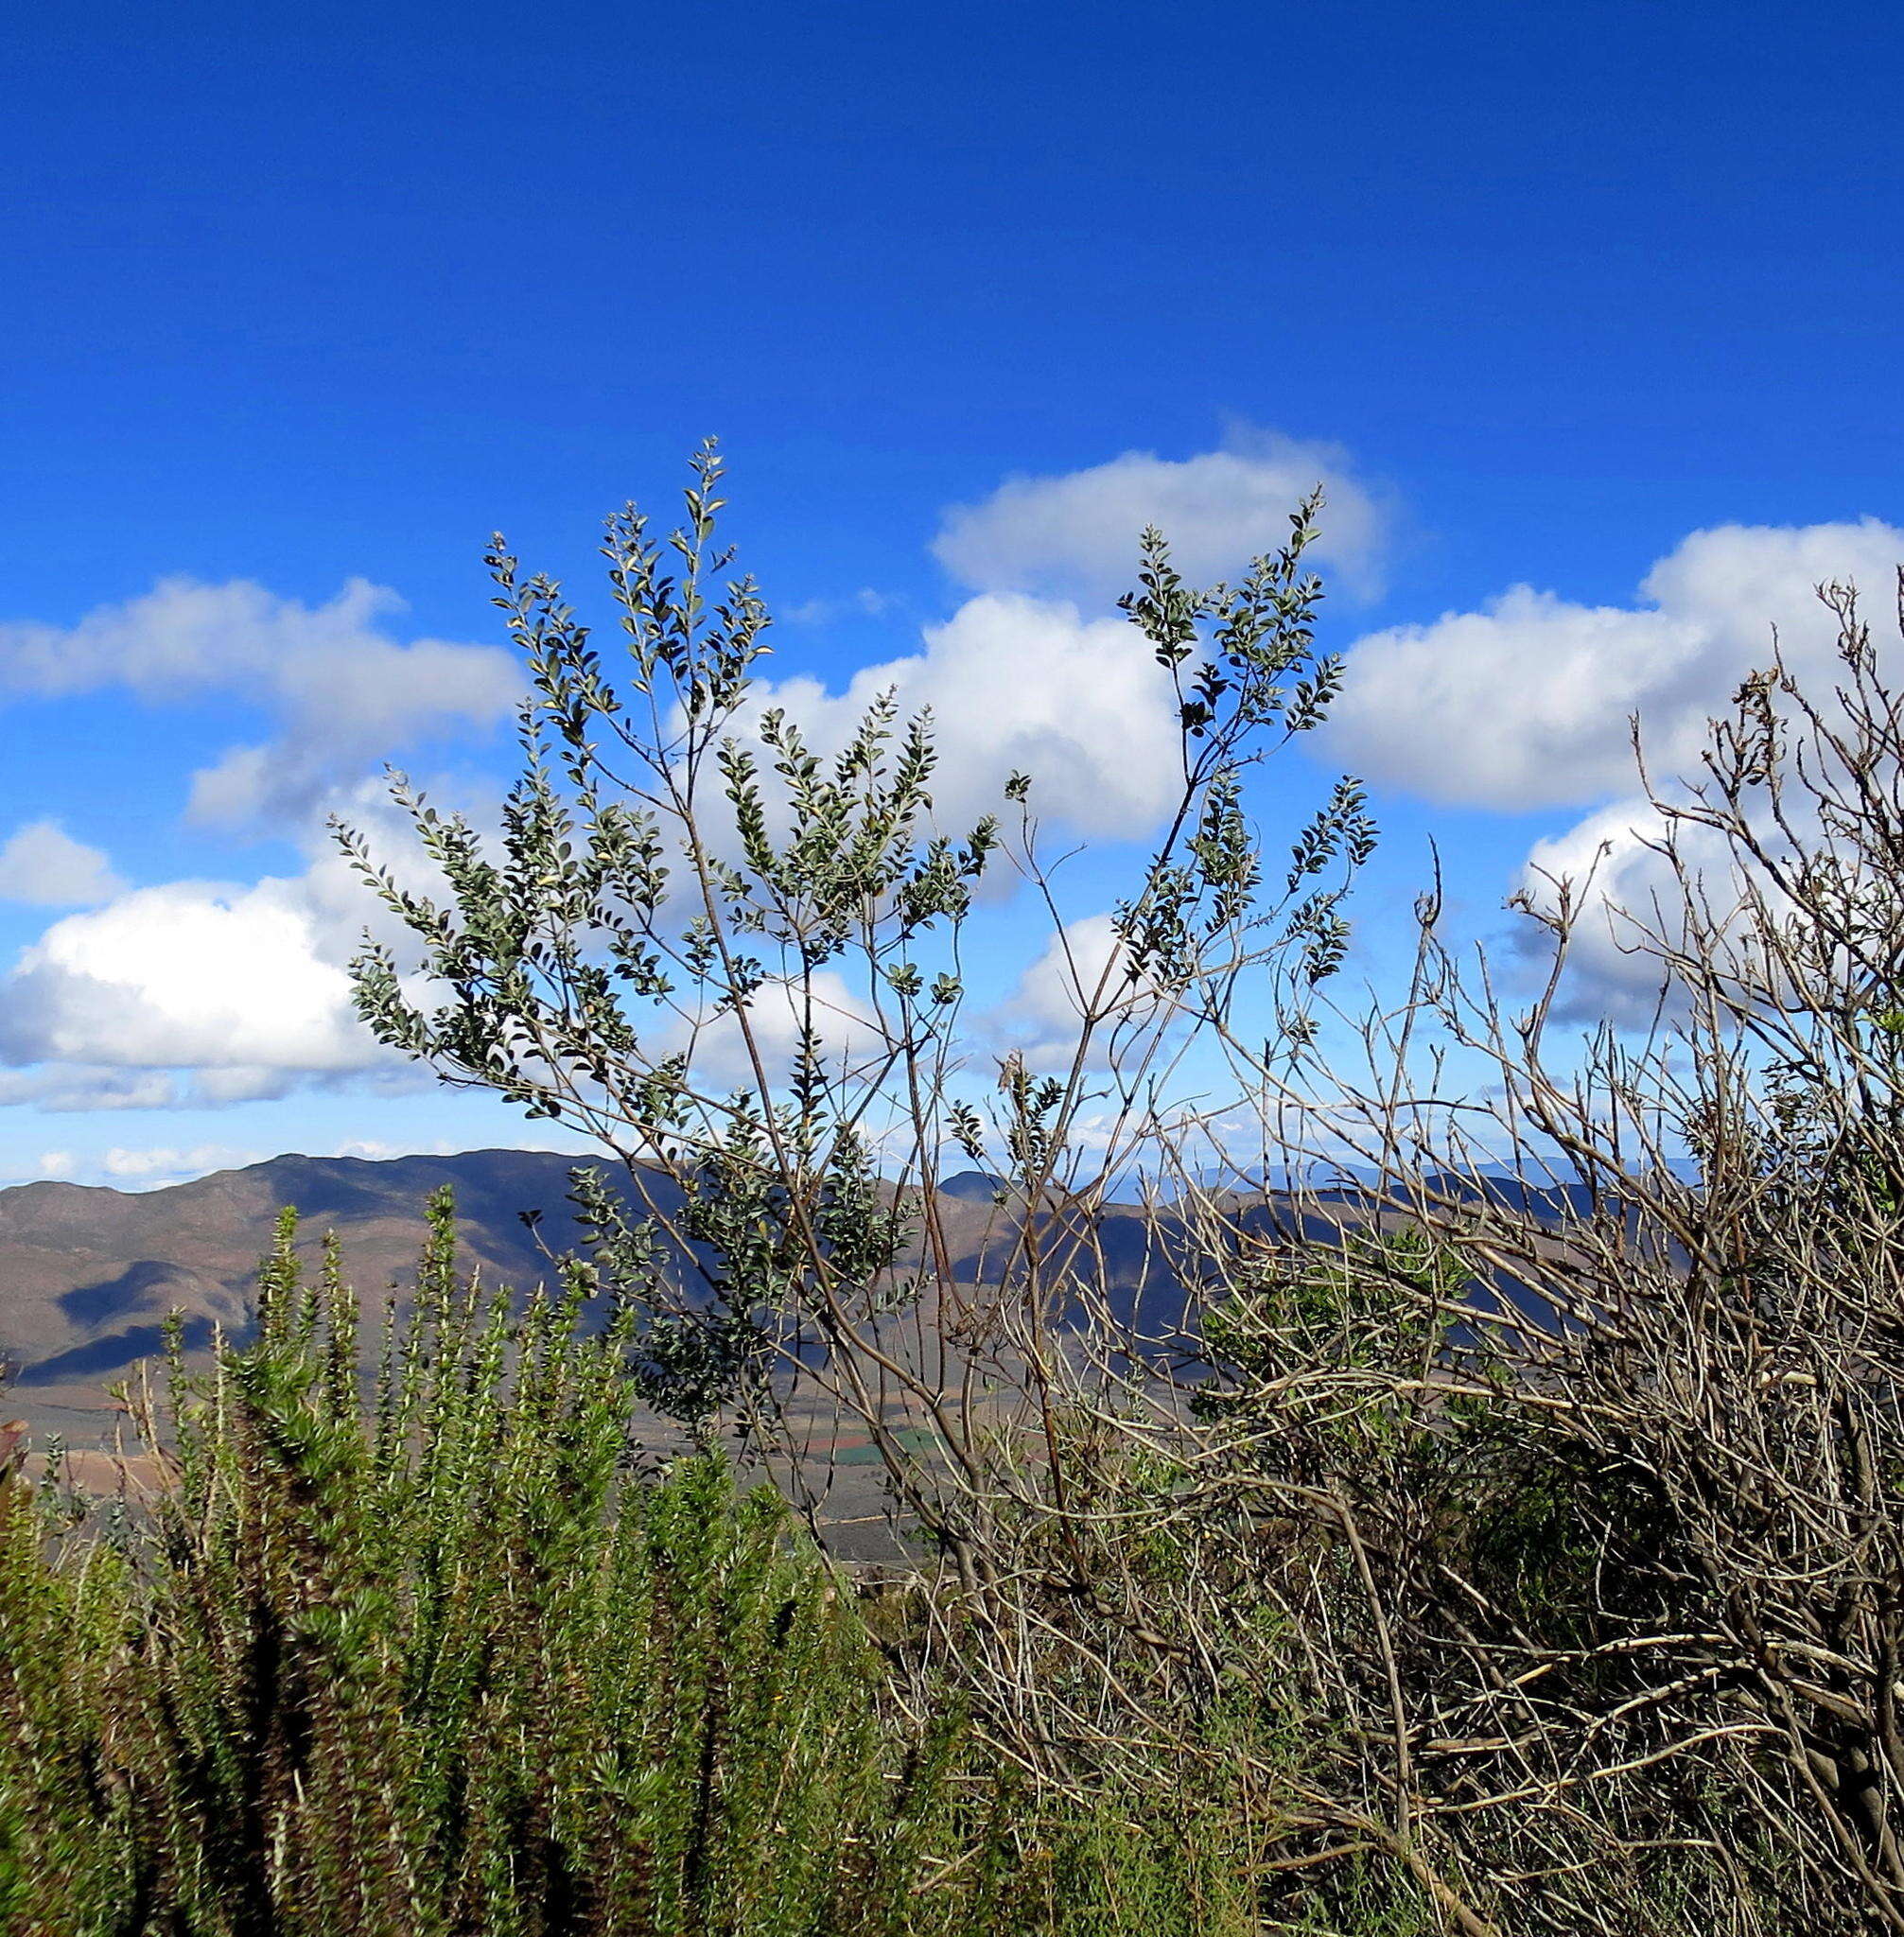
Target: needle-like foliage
446	1658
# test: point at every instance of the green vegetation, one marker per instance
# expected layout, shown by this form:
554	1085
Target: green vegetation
1499	1530
452	1659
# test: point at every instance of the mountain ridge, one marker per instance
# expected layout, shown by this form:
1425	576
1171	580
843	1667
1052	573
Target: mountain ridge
88	1273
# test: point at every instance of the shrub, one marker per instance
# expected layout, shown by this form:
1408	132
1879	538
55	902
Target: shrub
445	1661
438	1651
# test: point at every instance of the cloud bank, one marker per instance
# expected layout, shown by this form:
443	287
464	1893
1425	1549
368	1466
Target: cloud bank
342	691
1526	703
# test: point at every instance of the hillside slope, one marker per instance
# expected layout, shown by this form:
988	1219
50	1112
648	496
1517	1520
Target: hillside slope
87	1274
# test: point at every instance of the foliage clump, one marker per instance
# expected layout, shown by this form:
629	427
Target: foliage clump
1469	1509
448	1657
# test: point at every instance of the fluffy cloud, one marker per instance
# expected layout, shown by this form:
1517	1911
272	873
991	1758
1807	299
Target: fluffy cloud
44	866
1023	684
228	982
1608	867
202	994
1526	703
61	1087
1077	532
846	1026
143	1167
154	1168
1626	889
342	689
1021	679
1043	1017
206	993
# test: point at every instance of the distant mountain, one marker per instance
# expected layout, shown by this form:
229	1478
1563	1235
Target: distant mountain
87	1275
973	1187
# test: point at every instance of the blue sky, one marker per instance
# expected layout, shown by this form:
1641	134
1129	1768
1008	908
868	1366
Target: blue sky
296	301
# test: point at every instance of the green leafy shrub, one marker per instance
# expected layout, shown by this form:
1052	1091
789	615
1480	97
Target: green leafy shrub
446	1656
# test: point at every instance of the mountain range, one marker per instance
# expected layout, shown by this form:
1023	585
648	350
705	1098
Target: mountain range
87	1275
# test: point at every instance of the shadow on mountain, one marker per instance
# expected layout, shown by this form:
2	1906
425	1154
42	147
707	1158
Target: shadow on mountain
119	1351
150	1285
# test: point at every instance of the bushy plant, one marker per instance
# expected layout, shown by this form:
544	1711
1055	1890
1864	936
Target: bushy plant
438	1650
1281	1497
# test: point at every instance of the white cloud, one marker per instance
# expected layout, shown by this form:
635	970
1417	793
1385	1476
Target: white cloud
1608	869
166	1164
1082	963
1021	679
195	975
844	1024
44	866
1029	684
1077	532
199	993
375	1150
1632	895
342	690
1526	703
203	994
64	1087
868	602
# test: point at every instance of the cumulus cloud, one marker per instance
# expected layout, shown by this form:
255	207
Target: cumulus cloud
1082	964
1029	684
63	1088
44	866
223	980
1526	703
1077	533
1629	892
147	1167
202	994
845	1026
1019	678
166	1164
1608	869
205	992
342	689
